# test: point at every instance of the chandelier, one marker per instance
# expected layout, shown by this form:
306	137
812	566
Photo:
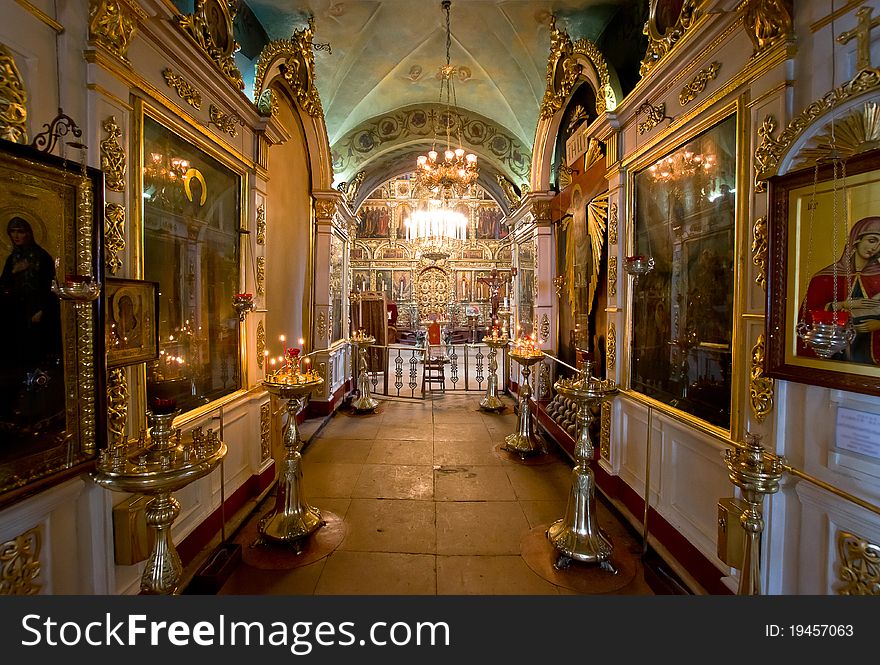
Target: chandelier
439	228
682	164
456	171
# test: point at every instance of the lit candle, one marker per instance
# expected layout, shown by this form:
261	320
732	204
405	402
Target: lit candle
265	362
283	341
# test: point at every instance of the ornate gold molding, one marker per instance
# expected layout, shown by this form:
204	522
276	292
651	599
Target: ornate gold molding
760	387
759	251
611	347
261	224
261	344
350	189
655	115
855	132
114	236
772	150
690	92
20	564
612	224
117	406
265	430
325	208
13	100
225	122
112	24
261	275
858	567
612	276
545	328
541	211
210	27
267	103
184	89
662	38
606	100
113	156
297	70
605	432
321	326
563	177
767	22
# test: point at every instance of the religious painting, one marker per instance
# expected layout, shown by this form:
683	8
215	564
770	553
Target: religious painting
463	285
824	275
489	226
131	327
374	222
384	282
682	309
394	253
402	281
360	280
52	413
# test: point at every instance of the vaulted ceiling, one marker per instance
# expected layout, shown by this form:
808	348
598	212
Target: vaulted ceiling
382	69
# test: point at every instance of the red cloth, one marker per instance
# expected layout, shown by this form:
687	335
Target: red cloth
392	309
434	333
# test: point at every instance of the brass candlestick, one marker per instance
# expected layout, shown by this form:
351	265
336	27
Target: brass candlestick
491	402
292	518
365	401
523	441
576	535
757	475
158	467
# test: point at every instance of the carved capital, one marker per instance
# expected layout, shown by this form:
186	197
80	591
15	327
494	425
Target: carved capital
112	24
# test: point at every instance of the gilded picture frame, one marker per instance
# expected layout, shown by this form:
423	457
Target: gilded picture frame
131	326
52	411
805	244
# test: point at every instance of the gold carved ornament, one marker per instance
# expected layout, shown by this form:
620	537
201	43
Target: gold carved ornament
612	224
855	132
325	208
113	156
225	122
321	327
117	406
265	429
545	328
261	344
350	188
514	200
261	224
760	386
297	70
85	326
605	432
20	564
564	173
612	276
112	24
13	100
662	38
767	22
595	152
759	251
611	347
858	567
261	275
210	27
185	90
690	92
655	115
862	34
114	236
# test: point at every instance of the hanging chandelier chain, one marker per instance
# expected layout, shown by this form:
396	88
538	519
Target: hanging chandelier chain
811	208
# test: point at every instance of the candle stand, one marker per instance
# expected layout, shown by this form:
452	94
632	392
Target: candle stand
523	441
158	467
292	518
577	536
365	401
491	402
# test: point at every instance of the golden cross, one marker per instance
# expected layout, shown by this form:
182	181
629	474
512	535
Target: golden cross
862	33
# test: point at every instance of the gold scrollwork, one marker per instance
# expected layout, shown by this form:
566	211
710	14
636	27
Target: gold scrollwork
767	23
225	122
760	386
325	208
261	275
184	89
662	38
261	344
655	115
13	100
113	156
114	236
210	27
611	347
612	224
117	406
112	24
859	565
545	328
690	92
20	564
759	251
767	151
261	224
855	132
265	429
297	70
612	276
605	432
321	326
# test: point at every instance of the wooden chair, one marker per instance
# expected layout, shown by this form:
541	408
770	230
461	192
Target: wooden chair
434	360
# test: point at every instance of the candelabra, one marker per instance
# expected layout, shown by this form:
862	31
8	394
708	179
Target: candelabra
292	518
577	536
160	466
361	342
491	402
523	441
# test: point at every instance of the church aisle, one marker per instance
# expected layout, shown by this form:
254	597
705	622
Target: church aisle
420	500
